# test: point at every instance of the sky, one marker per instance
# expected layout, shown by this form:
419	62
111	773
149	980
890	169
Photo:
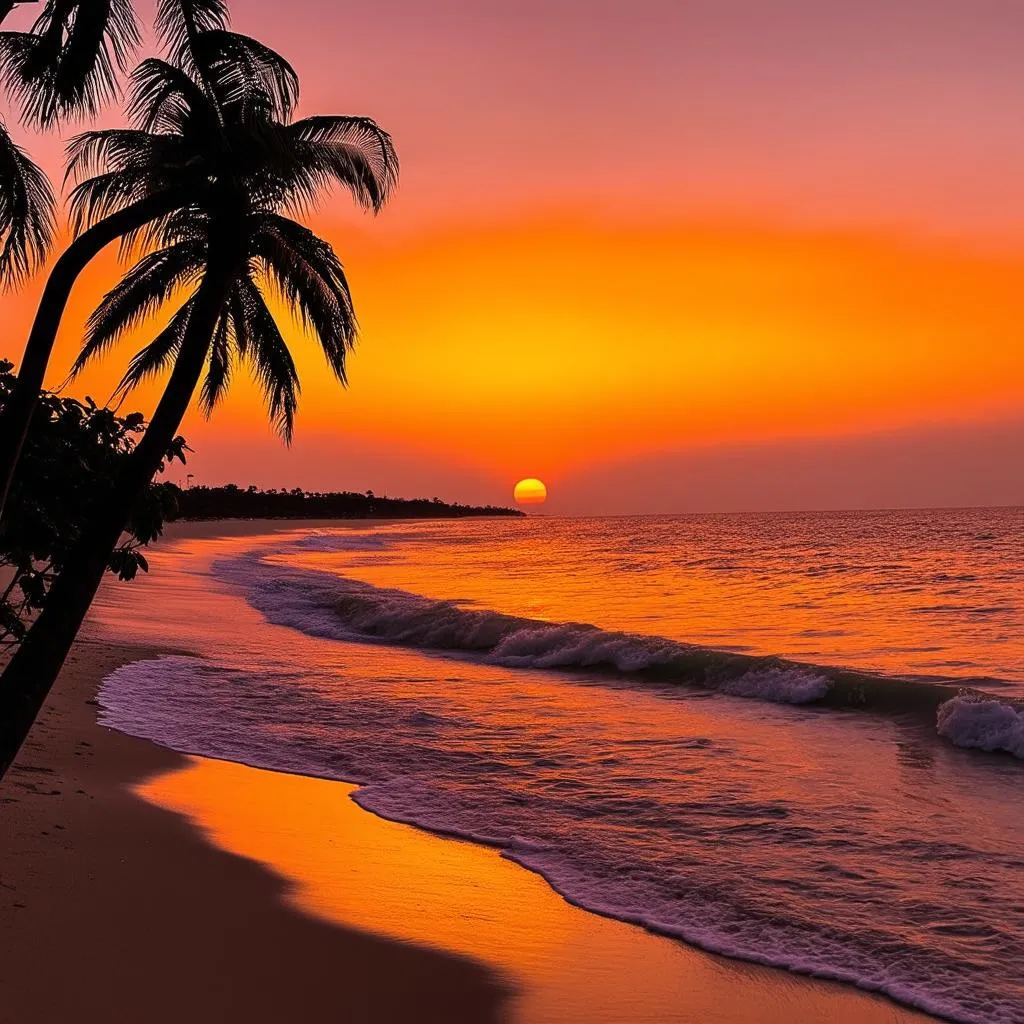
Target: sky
665	256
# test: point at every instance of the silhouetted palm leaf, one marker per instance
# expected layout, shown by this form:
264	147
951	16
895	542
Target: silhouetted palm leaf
218	375
270	359
179	24
228	66
26	213
310	278
68	64
243	70
146	287
157	355
165	99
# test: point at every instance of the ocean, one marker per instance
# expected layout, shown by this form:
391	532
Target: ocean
796	740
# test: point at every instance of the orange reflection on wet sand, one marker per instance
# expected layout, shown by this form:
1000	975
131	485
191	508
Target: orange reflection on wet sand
350	867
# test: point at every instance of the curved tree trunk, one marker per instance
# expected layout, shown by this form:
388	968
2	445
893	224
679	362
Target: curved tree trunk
27	680
17	413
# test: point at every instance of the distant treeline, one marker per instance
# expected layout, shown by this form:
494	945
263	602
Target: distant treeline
234	502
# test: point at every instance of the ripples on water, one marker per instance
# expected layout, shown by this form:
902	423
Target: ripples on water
925	593
848	844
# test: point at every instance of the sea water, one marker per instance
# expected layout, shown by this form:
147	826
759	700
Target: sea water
796	740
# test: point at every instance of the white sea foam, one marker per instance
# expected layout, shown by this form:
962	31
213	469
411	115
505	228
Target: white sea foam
326	605
973	721
783	684
331	606
572	645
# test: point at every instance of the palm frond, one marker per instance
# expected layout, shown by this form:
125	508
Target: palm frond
306	272
186	223
150	283
18	50
104	194
218	374
116	168
159	353
245	74
95	152
179	23
239	327
268	355
68	65
354	152
127	167
165	98
27	213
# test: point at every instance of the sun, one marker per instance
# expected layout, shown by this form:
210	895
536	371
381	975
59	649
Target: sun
531	492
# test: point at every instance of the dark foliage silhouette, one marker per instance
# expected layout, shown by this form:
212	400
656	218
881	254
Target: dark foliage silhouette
73	451
233	502
65	66
68	64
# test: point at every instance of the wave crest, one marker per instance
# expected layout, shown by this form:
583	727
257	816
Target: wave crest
972	720
785	686
334	607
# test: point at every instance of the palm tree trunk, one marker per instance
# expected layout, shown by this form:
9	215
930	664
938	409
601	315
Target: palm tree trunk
16	416
27	680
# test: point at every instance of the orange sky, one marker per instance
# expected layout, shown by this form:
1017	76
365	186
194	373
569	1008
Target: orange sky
646	231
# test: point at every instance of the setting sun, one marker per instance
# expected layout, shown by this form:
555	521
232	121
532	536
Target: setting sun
530	492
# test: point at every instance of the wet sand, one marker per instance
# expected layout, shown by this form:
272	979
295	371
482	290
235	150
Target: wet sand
114	910
353	868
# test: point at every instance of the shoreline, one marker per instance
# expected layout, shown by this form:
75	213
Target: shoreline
118	910
234	873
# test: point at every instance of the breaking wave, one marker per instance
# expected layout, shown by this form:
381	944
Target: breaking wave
971	720
330	606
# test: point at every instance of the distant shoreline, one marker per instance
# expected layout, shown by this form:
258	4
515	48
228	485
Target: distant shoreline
300	518
198	504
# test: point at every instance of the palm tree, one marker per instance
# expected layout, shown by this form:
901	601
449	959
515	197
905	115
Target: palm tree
229	246
197	35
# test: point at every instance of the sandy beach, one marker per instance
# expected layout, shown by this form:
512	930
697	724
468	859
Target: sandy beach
116	910
139	884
